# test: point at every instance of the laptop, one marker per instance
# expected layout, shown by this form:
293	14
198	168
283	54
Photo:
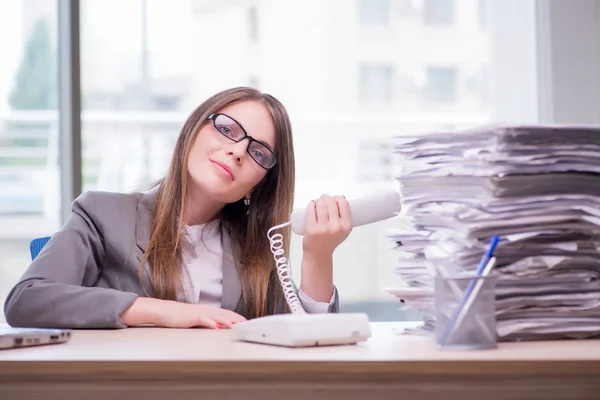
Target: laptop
11	338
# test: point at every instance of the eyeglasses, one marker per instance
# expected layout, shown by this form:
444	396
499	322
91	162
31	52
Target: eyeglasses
231	129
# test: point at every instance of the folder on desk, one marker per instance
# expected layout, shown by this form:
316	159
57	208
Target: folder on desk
538	188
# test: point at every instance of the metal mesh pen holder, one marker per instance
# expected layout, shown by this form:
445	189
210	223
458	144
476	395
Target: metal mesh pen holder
465	312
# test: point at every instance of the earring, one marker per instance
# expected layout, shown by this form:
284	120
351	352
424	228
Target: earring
247	204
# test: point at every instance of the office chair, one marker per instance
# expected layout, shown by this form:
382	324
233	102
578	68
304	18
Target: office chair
36	246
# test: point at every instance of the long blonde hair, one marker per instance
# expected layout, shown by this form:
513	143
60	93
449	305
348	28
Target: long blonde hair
271	204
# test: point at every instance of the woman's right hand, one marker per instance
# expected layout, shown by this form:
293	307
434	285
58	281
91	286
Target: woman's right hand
173	314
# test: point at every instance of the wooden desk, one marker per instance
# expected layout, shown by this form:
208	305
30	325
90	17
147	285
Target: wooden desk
150	363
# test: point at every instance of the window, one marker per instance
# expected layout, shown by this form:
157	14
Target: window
342	91
376	83
253	82
440	84
439	12
477	84
375	159
29	174
253	23
373	12
481	12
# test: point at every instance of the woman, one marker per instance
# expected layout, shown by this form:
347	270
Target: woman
194	250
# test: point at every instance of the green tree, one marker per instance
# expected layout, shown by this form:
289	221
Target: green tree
35	85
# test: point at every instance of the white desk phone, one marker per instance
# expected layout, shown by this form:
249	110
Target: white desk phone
300	329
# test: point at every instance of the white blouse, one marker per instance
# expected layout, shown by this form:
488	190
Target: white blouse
203	268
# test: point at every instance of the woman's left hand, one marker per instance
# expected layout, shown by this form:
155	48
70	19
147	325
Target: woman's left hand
328	224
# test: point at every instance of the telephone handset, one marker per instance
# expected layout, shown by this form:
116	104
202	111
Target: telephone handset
364	210
302	329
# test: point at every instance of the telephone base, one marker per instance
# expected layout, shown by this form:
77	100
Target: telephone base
306	330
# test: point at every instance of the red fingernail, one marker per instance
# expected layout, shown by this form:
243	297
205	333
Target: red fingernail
218	326
232	323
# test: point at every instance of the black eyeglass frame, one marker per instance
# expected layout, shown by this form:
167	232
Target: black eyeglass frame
213	118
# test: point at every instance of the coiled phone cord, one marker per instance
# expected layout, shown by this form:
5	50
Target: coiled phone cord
284	271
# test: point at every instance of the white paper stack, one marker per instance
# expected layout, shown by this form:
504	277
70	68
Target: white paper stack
538	188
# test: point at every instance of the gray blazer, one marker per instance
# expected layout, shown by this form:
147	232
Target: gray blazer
87	274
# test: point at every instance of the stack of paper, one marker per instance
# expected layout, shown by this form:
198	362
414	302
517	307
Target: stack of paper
538	188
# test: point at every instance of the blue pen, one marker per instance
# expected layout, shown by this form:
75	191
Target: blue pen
480	268
488	254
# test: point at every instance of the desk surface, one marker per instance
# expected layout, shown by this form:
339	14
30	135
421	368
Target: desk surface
386	344
149	360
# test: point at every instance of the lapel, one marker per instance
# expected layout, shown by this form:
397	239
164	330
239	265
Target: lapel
143	222
232	288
